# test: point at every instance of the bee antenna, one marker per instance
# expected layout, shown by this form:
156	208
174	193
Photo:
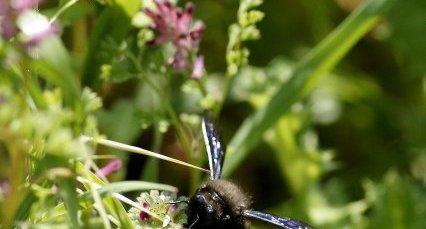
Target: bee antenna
194	222
178	202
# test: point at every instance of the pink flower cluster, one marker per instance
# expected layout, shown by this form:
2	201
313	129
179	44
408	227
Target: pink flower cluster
174	25
7	27
12	10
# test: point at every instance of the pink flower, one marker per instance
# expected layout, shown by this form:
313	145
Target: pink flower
163	21
143	215
17	16
35	27
9	10
174	25
8	29
52	29
22	5
197	72
180	59
4	187
111	167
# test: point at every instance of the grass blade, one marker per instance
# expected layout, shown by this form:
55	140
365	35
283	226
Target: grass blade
130	186
67	188
134	149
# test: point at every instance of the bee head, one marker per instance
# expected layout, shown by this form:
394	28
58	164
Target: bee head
217	204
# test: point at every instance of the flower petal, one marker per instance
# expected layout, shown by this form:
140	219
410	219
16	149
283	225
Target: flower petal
198	70
111	167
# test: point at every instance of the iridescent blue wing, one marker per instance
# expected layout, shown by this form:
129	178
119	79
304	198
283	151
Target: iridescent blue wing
276	220
215	149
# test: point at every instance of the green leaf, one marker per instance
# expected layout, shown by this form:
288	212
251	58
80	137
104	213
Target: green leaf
24	209
68	190
55	65
125	131
305	76
112	205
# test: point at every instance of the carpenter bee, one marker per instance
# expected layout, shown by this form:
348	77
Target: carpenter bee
221	204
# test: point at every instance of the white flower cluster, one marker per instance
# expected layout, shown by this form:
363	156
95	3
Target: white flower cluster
159	210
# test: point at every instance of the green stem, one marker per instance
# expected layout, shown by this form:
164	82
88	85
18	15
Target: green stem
174	119
225	92
150	172
158	139
62	9
201	86
17	190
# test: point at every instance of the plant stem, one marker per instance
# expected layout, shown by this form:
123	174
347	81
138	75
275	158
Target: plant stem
225	92
62	9
174	119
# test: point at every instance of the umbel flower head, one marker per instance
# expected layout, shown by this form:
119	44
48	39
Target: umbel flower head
163	212
174	25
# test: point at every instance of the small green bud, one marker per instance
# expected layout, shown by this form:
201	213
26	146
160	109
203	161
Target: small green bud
255	16
141	20
163	126
232	69
243	19
90	100
250	33
106	71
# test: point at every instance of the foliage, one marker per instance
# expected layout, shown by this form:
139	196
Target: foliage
322	105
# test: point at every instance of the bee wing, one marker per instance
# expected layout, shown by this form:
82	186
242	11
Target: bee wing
215	149
279	221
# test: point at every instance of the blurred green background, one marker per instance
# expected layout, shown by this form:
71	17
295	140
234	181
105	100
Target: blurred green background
351	153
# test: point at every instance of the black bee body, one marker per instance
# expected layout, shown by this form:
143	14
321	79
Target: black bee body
221	204
218	204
